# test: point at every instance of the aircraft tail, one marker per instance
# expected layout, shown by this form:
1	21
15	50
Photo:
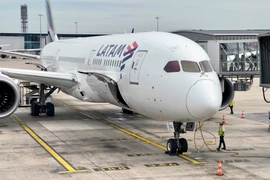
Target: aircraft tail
51	28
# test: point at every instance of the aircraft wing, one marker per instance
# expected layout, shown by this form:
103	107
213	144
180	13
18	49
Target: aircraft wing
60	80
10	53
24	50
109	76
3	45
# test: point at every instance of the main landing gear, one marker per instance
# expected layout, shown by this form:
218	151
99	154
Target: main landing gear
42	106
176	145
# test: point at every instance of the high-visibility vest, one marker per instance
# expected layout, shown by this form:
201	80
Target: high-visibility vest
221	131
232	103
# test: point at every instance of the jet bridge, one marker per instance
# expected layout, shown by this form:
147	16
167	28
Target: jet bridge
237	60
264	47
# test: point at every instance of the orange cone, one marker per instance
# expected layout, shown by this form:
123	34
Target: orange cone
223	120
219	173
243	115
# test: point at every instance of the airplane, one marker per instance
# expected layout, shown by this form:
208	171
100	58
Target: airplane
160	75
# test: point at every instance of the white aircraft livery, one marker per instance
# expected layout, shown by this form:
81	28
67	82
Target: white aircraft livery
160	75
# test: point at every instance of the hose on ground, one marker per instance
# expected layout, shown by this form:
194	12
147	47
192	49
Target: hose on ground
234	154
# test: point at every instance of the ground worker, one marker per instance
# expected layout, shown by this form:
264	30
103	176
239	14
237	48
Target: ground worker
231	106
221	133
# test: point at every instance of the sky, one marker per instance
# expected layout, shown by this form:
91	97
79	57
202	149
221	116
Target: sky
118	16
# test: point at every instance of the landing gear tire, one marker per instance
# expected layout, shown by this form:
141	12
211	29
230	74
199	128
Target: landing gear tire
126	111
35	109
50	109
184	146
41	107
177	144
171	146
33	100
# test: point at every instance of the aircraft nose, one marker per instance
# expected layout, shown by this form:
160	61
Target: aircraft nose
204	99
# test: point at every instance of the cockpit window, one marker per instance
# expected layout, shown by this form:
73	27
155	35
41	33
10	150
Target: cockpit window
172	66
205	66
190	66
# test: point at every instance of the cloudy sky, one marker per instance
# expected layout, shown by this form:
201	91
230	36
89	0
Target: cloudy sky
116	16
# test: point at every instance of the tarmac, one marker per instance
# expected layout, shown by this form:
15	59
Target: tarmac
97	141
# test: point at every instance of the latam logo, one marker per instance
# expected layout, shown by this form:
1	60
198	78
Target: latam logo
112	50
116	50
128	54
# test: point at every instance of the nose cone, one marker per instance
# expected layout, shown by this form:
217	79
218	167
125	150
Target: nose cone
204	99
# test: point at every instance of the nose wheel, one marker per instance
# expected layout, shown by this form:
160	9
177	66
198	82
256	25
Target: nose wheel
177	144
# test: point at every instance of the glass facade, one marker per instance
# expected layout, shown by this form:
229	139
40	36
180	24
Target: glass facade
239	56
31	41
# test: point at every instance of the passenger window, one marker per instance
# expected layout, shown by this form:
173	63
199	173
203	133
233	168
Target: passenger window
205	66
190	66
172	66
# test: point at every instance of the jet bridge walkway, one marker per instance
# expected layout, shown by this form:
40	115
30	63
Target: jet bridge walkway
237	60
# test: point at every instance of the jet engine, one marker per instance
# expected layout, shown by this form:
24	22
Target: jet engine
9	96
227	93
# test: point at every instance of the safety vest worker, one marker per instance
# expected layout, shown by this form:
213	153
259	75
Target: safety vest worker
231	106
232	103
221	130
221	133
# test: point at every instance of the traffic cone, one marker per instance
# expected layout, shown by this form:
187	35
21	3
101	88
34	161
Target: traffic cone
243	115
219	173
223	120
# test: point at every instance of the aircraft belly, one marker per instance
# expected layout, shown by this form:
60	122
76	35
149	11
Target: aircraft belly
105	91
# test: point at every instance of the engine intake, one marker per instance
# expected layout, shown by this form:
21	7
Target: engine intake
9	96
227	93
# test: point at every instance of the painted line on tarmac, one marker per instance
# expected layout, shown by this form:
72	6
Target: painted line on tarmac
235	160
145	154
112	168
129	133
50	150
162	165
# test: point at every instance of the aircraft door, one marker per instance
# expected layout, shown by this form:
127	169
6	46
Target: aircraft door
136	67
90	59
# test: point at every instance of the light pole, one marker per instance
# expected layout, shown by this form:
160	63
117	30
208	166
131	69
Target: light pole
157	18
76	27
40	42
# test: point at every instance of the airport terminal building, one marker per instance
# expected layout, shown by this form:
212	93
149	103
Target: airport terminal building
32	40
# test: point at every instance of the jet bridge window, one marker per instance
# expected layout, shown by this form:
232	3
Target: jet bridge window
190	66
205	66
172	66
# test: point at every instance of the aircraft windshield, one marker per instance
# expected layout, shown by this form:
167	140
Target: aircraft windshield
172	66
205	66
190	66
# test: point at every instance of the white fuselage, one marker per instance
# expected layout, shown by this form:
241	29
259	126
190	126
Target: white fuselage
129	71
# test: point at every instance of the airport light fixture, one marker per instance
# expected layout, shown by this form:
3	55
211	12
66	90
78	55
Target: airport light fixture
76	27
40	15
157	18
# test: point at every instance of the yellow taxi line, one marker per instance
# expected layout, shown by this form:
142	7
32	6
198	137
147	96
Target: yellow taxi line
129	132
55	155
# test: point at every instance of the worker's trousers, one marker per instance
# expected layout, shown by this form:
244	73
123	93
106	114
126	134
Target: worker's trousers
221	141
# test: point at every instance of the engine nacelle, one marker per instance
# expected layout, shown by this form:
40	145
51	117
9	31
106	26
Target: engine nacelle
227	93
9	96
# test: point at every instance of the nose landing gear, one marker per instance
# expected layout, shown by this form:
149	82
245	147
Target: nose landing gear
177	144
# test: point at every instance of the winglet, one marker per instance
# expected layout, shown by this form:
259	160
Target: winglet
51	28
